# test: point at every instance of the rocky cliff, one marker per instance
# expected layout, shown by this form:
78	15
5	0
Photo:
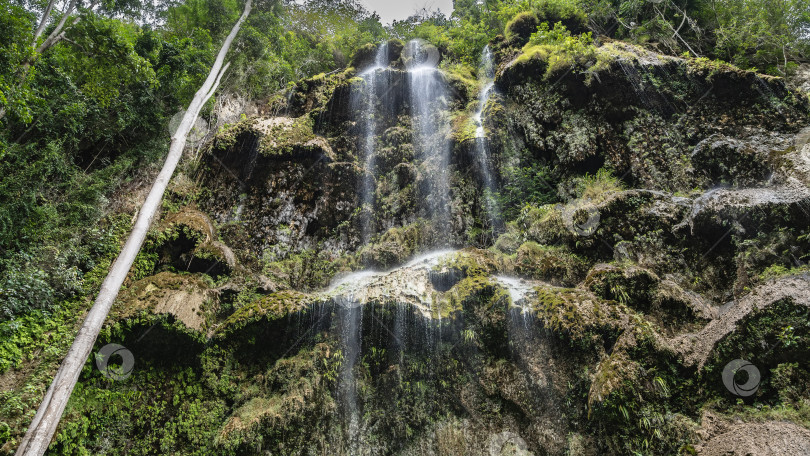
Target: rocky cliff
383	261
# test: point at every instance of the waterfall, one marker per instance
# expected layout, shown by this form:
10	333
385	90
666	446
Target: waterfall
350	326
487	76
428	99
364	103
486	73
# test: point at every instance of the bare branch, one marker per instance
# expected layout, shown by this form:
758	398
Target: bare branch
43	22
54	37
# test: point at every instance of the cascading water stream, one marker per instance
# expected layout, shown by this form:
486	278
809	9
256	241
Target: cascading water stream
349	311
427	95
350	325
364	102
487	75
428	98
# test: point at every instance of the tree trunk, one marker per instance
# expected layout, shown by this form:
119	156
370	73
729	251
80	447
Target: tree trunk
56	34
44	424
43	22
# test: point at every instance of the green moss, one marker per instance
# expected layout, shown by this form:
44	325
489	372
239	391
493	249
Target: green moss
394	246
759	413
582	319
711	68
469	262
182	241
464	127
281	139
542	224
522	26
613	374
309	269
461	78
227	135
268	308
509	241
534	53
553	263
778	270
559	310
289	396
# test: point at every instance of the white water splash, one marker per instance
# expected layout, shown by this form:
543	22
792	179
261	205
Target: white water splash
375	84
519	289
431	127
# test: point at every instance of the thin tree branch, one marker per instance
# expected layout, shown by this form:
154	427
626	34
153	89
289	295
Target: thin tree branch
43	22
53	37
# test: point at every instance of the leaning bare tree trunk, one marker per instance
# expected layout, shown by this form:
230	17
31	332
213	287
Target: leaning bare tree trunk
43	22
58	32
43	427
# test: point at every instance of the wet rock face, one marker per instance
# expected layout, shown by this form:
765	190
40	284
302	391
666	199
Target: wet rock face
731	162
444	279
280	202
599	323
650	117
303	180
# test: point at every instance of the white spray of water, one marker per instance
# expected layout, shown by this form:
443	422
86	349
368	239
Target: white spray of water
487	76
428	99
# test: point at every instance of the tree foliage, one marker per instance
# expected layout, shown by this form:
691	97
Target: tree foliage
89	112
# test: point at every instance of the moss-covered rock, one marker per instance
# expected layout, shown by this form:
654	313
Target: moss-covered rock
394	247
265	309
554	264
521	27
293	393
579	317
186	297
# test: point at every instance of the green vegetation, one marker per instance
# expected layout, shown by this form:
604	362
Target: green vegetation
245	357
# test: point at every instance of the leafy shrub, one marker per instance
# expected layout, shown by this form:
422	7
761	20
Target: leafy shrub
524	185
32	285
596	187
567	12
519	29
